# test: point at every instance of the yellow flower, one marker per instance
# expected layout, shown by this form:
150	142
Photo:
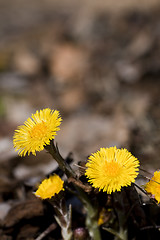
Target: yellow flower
49	187
153	186
37	131
111	168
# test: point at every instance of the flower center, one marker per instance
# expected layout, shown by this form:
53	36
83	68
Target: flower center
38	131
112	169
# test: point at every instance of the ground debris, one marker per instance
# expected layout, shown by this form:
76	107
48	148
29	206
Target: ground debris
24	210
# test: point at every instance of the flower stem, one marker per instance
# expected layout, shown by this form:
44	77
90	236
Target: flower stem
63	217
120	205
91	218
63	165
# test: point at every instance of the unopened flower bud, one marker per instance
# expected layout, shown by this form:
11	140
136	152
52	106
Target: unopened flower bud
80	234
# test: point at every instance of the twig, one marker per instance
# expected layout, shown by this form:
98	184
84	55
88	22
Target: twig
86	188
47	231
141	189
145	171
79	166
149	227
149	179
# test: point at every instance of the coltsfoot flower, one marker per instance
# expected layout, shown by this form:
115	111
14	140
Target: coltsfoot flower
153	186
37	131
110	169
49	187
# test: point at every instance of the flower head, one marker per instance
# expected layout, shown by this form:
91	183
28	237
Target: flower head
49	187
111	168
153	186
37	131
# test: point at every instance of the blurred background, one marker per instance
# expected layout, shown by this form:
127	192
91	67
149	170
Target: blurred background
97	62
